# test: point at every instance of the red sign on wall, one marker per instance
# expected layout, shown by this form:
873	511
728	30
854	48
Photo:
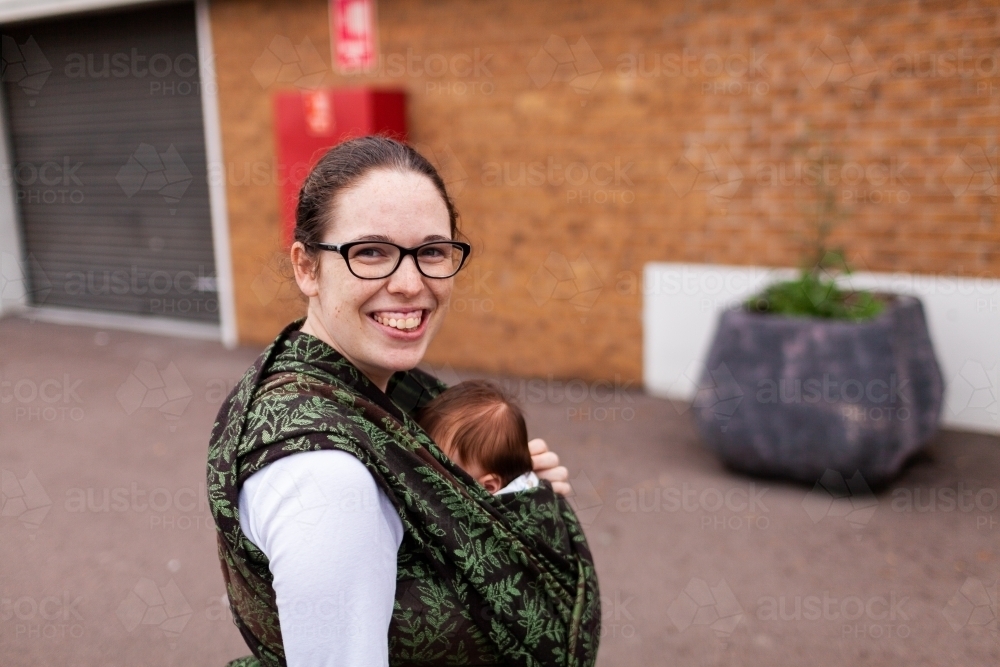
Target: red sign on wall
307	123
354	31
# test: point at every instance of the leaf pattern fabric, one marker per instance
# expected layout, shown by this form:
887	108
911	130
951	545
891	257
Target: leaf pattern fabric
481	579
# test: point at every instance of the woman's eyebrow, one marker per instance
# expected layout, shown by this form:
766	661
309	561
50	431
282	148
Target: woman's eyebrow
374	237
383	237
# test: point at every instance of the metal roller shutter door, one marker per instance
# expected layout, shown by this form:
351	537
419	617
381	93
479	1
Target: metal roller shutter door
109	166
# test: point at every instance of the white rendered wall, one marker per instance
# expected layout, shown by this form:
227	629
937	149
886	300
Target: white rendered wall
682	302
13	296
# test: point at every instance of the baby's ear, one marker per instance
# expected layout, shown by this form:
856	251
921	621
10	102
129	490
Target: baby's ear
491	481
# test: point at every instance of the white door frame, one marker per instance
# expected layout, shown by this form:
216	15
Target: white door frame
13	297
216	172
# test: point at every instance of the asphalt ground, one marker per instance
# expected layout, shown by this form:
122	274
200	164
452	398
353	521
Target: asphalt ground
108	555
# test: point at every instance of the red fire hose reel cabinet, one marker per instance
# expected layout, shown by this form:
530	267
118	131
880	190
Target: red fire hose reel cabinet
308	123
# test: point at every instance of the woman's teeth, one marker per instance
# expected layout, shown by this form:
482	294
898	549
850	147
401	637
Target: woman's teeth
401	321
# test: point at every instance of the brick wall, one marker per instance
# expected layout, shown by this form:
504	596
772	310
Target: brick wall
582	140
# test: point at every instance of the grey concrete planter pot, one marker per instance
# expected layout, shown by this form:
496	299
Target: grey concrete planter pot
793	397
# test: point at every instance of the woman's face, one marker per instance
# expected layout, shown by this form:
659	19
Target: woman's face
353	315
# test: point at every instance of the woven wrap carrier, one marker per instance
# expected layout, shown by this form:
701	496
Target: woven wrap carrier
481	579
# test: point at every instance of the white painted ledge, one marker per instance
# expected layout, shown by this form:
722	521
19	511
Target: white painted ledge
682	303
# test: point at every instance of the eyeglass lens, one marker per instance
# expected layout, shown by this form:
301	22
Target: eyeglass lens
378	260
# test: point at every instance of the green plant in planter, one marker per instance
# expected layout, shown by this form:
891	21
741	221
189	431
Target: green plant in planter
815	292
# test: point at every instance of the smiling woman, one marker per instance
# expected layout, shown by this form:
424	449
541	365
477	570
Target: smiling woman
401	198
347	536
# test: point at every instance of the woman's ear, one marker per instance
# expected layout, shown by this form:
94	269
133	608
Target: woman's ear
306	269
491	481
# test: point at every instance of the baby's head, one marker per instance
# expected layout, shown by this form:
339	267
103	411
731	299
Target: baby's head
480	427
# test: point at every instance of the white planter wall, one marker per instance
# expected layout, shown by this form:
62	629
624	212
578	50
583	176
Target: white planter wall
682	302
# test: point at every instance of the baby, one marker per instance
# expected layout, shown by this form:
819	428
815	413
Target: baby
480	427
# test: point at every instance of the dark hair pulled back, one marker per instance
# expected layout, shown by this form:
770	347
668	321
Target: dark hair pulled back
345	164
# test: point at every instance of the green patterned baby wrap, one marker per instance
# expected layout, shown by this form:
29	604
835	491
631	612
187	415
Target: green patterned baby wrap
481	579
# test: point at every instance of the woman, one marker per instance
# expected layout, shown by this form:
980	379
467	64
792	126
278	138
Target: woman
336	513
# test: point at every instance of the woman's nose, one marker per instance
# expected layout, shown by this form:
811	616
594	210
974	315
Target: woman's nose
406	279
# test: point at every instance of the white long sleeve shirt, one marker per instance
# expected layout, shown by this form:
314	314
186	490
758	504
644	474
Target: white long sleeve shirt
331	536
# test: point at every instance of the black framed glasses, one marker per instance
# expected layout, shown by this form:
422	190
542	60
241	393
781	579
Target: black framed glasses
372	260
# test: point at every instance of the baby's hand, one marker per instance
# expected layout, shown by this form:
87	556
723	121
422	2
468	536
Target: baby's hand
546	465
